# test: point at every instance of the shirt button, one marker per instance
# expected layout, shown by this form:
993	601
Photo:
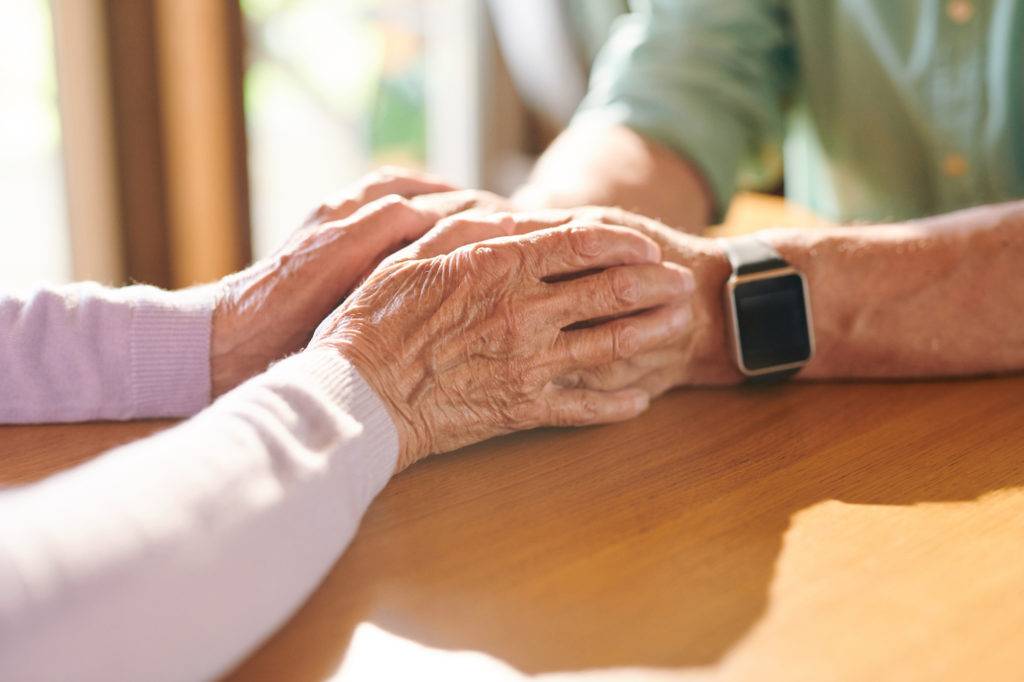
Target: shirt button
954	166
960	11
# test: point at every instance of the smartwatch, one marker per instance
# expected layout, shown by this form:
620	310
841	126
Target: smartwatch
769	310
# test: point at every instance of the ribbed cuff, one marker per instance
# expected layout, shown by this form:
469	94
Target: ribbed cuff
340	383
169	349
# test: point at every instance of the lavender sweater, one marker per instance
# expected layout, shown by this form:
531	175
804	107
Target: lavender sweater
172	557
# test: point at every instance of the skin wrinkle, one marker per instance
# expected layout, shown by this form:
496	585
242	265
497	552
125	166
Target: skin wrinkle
271	309
481	333
962	264
435	296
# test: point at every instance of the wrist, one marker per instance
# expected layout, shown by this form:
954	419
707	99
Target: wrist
712	362
834	264
322	383
260	315
411	440
226	362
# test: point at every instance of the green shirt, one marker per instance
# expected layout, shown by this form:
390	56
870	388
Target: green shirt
882	109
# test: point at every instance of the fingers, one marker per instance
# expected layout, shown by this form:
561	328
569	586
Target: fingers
613	216
386	222
655	383
463	229
449	203
451	233
582	407
634	372
398	181
572	248
540	220
593	215
401	181
422	220
616	291
621	338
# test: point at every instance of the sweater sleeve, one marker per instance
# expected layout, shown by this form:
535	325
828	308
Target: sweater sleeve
175	556
82	352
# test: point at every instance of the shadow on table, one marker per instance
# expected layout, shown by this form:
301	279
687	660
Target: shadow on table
544	550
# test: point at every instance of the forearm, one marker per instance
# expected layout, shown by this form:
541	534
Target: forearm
82	351
940	296
597	164
176	555
936	297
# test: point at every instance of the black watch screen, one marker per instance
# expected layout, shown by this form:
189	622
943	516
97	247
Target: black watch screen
771	316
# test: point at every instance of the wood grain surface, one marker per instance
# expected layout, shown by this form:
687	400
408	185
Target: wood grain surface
848	531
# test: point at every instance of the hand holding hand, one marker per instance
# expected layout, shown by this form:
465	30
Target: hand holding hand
702	357
464	341
270	309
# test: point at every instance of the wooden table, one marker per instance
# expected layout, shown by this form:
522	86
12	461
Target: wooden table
860	531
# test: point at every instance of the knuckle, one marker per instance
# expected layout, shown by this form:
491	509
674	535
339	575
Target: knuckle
625	340
327	211
491	259
625	286
394	202
482	256
587	410
585	242
505	221
396	207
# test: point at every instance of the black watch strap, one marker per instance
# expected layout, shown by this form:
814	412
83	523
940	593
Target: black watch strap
749	254
772	377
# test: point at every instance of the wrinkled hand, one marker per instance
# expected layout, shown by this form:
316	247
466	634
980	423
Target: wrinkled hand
271	308
702	357
463	338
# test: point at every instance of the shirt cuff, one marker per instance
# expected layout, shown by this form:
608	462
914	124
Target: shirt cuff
169	351
339	383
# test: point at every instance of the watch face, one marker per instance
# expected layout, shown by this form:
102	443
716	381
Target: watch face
771	317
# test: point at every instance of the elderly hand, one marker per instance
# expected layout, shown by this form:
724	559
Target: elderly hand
271	308
703	356
463	339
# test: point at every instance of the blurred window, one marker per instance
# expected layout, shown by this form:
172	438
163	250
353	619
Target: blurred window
332	89
34	240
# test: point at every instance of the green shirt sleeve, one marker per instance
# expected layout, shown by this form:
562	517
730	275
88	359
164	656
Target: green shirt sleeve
704	77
